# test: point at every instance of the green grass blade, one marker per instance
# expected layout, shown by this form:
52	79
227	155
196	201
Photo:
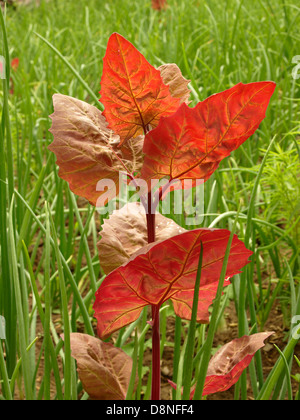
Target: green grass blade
47	317
213	321
65	314
177	351
7	393
41	313
266	391
73	70
189	351
21	315
134	368
287	373
69	274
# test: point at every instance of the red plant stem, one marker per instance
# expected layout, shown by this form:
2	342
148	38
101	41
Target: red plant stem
155	390
150	221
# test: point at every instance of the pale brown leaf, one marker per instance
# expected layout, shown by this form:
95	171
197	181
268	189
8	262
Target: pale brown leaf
87	151
103	369
124	235
178	85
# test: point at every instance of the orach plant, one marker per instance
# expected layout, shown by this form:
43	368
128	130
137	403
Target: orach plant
149	132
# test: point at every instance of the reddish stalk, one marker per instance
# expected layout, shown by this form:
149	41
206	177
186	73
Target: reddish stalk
155	391
150	221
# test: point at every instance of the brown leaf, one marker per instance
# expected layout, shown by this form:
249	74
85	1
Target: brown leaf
103	369
87	151
178	85
124	234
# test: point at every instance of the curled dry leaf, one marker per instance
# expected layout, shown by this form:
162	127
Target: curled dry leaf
87	151
168	271
228	363
132	91
103	369
125	233
191	143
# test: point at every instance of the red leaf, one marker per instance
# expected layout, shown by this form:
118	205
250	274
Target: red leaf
183	301
15	64
227	365
103	369
191	143
132	91
167	271
159	4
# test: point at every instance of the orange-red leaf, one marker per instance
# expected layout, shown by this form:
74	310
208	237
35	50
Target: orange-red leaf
132	90
103	369
87	151
15	63
167	271
191	143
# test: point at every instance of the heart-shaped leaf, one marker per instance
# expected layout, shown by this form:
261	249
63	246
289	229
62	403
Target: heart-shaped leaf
132	90
191	143
228	363
103	369
87	151
167	271
125	233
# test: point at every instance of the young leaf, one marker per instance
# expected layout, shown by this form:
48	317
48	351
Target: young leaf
87	151
228	363
191	143
167	271
103	369
125	233
132	90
